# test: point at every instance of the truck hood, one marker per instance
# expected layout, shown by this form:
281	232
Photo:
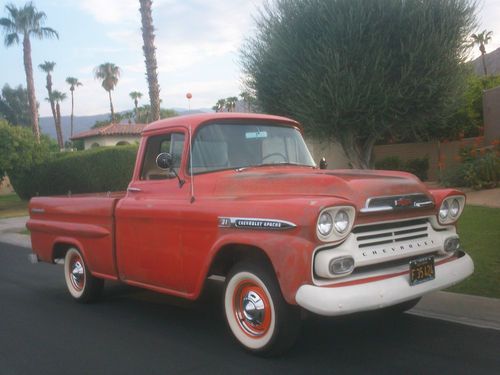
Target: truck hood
352	185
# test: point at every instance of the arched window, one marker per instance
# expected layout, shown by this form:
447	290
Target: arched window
94	145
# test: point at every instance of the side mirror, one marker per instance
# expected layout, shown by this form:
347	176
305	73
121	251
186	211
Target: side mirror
165	161
323	164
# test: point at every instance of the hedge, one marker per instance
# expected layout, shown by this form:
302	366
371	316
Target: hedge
419	167
97	170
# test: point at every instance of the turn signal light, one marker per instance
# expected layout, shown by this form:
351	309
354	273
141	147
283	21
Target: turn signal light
341	266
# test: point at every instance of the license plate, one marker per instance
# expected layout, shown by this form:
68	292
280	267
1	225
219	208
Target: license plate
422	270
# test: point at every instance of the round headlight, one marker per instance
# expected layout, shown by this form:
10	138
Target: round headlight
341	221
325	224
455	208
443	211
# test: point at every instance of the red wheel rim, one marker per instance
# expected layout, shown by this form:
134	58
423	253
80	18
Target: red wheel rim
252	308
77	272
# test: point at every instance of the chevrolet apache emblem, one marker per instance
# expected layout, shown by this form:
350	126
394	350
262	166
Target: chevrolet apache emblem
254	223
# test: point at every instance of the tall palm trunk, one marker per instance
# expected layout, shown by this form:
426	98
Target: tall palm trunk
111	107
58	127
483	58
28	67
72	110
148	37
57	120
136	102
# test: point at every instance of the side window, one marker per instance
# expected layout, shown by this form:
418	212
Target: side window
172	143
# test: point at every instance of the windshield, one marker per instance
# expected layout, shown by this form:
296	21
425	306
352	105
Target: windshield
226	146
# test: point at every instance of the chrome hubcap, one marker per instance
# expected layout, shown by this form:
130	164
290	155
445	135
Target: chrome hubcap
77	274
253	308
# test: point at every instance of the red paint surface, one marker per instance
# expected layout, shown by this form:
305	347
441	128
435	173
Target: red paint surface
163	239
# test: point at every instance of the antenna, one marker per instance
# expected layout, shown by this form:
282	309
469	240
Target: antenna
191	162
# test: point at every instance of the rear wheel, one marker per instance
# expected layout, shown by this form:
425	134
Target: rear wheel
82	286
256	312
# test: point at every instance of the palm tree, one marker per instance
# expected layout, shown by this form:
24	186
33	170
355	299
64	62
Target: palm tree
108	73
57	97
148	37
25	22
73	84
248	99
48	67
136	95
481	40
220	105
231	103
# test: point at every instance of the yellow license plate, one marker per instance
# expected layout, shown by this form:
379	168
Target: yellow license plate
422	270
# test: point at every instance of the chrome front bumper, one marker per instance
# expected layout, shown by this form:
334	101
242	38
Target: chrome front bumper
372	295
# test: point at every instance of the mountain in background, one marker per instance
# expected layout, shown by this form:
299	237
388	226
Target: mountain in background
84	123
492	63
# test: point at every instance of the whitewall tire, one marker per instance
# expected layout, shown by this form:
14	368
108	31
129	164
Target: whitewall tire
256	313
82	286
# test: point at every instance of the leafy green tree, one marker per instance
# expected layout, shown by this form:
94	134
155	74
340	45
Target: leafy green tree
108	74
135	96
481	40
358	71
149	49
73	84
468	120
25	22
14	105
19	150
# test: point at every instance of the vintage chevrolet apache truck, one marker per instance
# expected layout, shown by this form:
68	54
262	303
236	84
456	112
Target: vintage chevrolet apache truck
239	196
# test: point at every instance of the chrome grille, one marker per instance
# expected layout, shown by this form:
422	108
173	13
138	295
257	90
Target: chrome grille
390	233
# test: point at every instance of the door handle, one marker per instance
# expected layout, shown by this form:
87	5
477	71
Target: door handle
134	189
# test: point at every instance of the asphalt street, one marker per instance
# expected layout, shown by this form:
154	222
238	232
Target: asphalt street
131	331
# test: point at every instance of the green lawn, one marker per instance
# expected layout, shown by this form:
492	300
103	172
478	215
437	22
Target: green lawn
11	206
479	230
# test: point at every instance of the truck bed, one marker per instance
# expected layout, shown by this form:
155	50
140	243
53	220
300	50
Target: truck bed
84	221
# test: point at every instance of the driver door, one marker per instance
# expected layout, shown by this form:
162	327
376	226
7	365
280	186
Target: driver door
148	246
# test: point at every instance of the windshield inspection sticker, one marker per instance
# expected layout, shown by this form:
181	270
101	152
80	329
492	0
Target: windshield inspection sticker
255	135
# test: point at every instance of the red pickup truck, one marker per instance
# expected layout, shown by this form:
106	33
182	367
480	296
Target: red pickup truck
239	196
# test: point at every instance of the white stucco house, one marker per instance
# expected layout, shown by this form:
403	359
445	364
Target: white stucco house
111	135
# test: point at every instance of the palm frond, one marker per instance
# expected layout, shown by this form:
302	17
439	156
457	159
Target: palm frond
11	39
47	66
44	32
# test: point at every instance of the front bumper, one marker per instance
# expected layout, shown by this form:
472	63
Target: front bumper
372	295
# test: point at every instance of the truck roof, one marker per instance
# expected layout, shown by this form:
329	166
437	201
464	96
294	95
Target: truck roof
194	121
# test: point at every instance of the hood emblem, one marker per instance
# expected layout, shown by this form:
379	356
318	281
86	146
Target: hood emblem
403	202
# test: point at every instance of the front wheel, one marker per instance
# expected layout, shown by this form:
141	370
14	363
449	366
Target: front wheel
82	286
256	312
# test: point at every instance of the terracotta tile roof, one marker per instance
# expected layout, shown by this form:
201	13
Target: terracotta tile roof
112	129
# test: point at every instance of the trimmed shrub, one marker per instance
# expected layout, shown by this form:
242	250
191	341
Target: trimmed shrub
91	171
480	168
419	166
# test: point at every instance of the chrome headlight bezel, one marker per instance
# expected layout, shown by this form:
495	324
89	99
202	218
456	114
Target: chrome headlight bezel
337	232
450	209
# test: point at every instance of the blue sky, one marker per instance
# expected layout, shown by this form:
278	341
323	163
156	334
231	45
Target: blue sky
197	49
